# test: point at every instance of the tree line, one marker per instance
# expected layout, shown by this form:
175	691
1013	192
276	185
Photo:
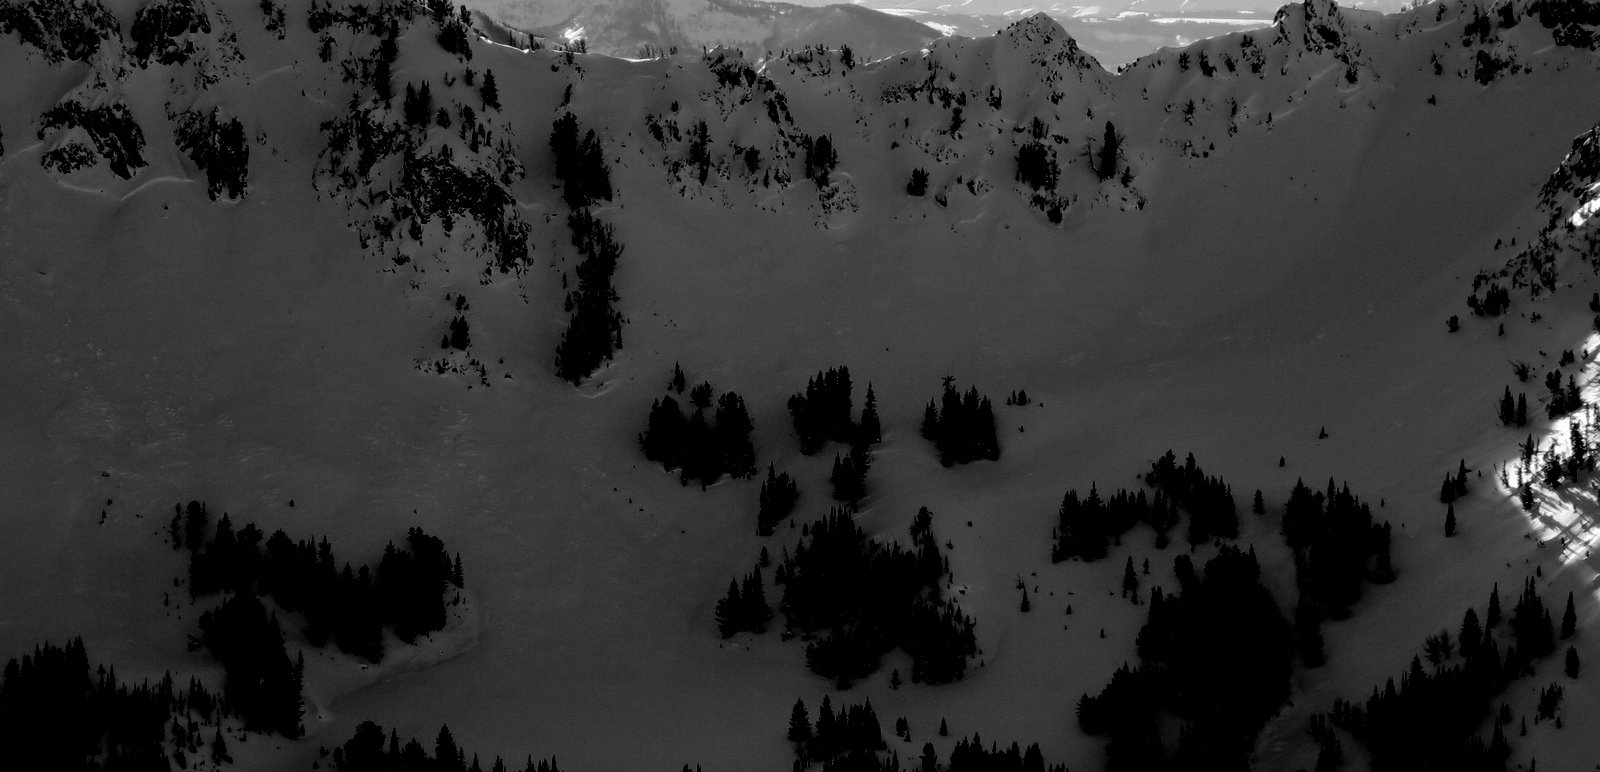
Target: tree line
59	713
370	750
1430	718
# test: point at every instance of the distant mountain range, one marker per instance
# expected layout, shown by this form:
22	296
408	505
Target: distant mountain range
1115	33
629	27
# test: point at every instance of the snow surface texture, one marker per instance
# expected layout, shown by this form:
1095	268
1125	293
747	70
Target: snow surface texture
1294	231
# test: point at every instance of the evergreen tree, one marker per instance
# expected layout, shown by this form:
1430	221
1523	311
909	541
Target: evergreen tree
733	436
1110	149
728	611
1569	619
918	185
489	91
777	499
1572	664
1492	620
799	723
870	430
1450	520
1471	634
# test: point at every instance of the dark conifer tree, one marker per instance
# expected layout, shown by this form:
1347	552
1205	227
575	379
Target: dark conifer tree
733	436
870	430
1450	520
1110	149
799	723
918	184
729	611
1572	664
778	496
1569	619
489	91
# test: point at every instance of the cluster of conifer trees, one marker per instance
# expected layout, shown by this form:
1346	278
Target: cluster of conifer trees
1563	399
349	606
849	739
1430	719
1514	412
56	713
580	163
1337	548
1454	485
822	413
1208	500
961	426
595	330
369	750
263	686
1084	527
454	27
778	496
969	755
219	148
702	449
861	598
1496	300
1216	654
744	608
820	158
1036	165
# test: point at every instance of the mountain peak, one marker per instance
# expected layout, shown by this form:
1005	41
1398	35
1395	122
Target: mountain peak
1048	43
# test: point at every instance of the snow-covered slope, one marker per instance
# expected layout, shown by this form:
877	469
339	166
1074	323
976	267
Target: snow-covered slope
1290	219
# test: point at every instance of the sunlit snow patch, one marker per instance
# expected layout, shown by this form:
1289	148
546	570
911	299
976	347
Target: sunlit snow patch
1587	208
571	34
1566	516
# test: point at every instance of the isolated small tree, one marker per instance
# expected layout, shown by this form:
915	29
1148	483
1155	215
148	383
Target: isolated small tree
1573	665
918	184
1110	148
1569	619
1450	520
